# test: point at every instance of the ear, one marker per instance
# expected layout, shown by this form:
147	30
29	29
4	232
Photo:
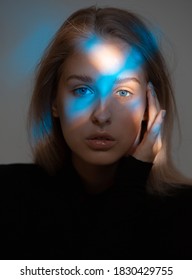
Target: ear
55	110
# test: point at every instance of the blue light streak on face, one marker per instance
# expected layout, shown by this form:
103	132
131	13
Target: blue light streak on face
76	107
134	60
108	72
135	104
88	44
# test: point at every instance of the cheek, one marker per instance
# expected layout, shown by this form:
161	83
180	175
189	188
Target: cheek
69	113
137	104
135	110
132	115
131	126
75	111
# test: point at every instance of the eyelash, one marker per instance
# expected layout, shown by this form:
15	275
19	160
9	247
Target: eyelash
124	90
76	92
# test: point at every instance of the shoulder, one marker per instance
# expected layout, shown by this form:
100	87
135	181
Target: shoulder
175	194
13	167
177	204
182	198
169	223
23	170
180	193
17	178
24	188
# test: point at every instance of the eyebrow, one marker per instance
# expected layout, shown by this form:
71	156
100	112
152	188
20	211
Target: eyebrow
88	79
82	78
127	79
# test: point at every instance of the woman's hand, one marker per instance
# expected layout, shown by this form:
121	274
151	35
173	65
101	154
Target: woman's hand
151	143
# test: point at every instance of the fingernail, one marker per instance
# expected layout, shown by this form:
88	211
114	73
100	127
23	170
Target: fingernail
156	129
152	89
150	84
163	113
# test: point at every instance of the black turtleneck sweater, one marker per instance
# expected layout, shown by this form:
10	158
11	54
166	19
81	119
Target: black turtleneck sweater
53	217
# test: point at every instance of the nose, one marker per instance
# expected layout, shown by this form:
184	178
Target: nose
101	115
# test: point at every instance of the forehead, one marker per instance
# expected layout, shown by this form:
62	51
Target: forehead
107	57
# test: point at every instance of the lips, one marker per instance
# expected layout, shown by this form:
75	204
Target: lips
101	142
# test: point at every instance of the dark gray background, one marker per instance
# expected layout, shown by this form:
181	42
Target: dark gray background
27	26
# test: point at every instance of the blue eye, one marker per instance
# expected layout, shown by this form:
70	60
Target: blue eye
124	93
83	91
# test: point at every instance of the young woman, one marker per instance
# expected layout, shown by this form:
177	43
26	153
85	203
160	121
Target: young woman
102	184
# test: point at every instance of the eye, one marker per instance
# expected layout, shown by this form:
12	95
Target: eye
124	93
83	91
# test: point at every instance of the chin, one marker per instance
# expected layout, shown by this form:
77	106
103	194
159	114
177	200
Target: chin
102	159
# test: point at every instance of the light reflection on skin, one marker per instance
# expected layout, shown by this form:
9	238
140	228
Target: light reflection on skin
116	108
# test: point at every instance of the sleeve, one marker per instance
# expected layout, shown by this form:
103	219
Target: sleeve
133	172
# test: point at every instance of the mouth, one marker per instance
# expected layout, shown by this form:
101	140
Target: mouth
101	142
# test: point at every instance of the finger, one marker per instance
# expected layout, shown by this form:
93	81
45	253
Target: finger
153	139
151	143
153	105
156	131
156	126
153	94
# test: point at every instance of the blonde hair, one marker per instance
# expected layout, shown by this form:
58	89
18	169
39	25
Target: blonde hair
48	144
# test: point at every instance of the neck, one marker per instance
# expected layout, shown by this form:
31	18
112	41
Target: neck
96	178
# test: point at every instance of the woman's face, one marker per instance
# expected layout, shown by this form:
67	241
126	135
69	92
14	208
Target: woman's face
101	101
